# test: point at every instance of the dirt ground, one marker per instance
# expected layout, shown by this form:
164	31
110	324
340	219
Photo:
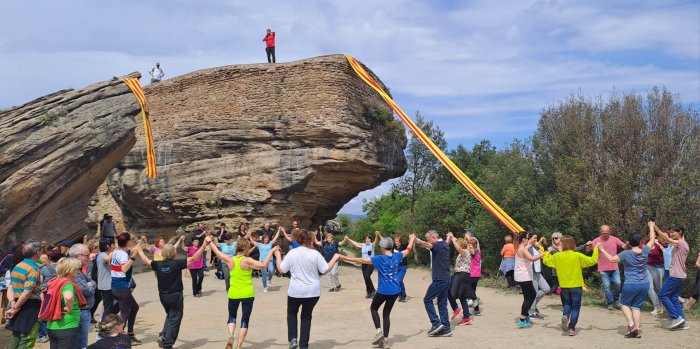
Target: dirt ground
342	320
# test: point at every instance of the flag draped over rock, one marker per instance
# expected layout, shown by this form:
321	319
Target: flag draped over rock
484	199
135	86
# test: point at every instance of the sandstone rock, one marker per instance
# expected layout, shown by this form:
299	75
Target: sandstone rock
248	143
54	152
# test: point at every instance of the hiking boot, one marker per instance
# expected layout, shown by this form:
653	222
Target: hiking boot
456	313
378	338
465	321
435	329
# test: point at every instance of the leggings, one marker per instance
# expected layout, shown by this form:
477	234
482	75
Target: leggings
307	307
510	278
128	308
367	270
247	309
374	309
529	295
197	278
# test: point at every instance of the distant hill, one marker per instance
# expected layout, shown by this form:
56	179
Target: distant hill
354	217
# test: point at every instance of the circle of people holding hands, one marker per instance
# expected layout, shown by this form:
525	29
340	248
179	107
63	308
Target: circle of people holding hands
53	294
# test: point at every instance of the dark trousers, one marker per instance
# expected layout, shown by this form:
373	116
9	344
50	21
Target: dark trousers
437	289
128	308
98	299
473	281
511	279
529	295
174	307
197	278
367	270
270	53
307	307
108	303
459	290
374	309
60	339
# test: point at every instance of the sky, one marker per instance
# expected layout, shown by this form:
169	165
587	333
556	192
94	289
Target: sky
479	69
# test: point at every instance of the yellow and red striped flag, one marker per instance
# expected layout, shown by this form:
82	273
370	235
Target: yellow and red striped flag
484	199
135	86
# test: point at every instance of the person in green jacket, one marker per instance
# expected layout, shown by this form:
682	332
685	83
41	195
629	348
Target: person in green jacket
569	265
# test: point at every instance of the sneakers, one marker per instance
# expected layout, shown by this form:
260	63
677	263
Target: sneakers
476	302
134	340
685	326
435	329
523	323
378	337
676	324
465	321
537	316
331	289
564	322
161	339
617	306
529	321
402	300
265	290
477	312
657	311
446	332
337	288
572	332
42	339
456	313
293	344
631	332
611	307
229	343
384	343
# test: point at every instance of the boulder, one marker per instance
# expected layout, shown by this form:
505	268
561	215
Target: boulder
54	153
259	142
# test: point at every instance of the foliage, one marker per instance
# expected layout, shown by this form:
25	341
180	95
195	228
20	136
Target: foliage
49	116
617	161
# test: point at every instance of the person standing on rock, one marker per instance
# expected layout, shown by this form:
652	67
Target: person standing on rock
156	73
168	272
440	286
306	266
269	40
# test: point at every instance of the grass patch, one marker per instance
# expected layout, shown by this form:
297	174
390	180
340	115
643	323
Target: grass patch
49	116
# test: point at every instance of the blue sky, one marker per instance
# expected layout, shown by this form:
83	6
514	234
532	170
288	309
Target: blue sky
479	69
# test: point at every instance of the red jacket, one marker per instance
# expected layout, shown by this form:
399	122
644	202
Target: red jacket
51	309
269	40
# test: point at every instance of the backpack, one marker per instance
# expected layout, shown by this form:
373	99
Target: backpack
93	272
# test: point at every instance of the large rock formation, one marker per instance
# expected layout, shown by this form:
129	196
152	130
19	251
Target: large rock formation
259	142
54	152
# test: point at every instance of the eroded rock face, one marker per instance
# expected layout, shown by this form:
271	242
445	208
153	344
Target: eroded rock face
259	142
54	153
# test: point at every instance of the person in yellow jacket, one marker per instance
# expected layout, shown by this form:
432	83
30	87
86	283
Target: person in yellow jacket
569	265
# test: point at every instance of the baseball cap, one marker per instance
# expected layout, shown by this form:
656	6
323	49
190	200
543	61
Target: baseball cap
66	243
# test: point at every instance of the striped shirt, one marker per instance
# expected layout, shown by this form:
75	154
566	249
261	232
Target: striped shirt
25	276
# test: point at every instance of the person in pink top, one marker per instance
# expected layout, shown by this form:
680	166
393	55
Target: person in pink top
609	272
196	267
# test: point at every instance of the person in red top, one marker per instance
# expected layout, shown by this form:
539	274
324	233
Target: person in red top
270	45
655	271
609	272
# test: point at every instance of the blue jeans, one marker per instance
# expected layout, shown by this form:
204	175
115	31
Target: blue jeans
266	273
612	294
437	289
402	273
84	328
669	293
42	329
571	300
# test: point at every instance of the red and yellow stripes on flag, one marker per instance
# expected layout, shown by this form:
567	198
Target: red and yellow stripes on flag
135	86
479	194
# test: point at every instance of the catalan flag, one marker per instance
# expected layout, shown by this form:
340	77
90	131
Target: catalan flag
479	194
135	86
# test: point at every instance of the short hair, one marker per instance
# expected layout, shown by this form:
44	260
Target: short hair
77	249
242	246
301	236
508	239
329	235
168	251
386	243
634	239
462	243
123	239
67	266
568	243
677	228
53	255
105	243
31	248
432	233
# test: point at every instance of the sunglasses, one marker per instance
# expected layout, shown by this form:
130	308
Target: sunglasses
555	238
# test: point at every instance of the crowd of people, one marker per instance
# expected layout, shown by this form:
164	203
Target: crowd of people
55	291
